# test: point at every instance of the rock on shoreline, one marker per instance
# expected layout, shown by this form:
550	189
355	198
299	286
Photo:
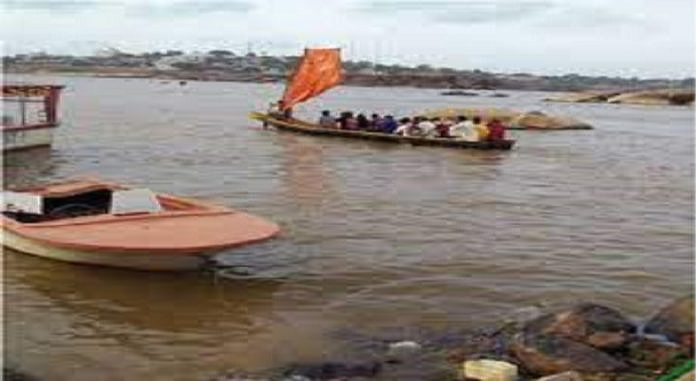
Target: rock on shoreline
678	97
587	341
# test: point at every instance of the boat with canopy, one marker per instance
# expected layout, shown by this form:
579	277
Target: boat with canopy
320	70
29	115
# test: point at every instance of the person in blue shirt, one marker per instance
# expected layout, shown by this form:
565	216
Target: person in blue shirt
389	125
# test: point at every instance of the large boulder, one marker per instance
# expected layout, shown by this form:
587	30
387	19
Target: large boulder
539	120
583	97
656	97
675	321
599	326
647	353
549	354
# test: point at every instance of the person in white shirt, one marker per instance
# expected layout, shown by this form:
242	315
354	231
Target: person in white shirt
404	126
428	127
464	130
326	120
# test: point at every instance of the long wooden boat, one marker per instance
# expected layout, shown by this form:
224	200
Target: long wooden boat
32	122
99	223
299	126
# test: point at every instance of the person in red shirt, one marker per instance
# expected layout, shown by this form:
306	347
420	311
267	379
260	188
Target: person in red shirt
496	130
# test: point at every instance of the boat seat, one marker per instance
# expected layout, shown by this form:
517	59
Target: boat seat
19	202
133	201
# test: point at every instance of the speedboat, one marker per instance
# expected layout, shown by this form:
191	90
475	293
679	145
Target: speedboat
99	223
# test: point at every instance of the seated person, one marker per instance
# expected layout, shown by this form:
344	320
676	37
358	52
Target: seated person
363	123
464	129
350	123
428	126
442	128
274	108
411	128
496	130
404	124
287	113
389	125
376	123
480	128
326	120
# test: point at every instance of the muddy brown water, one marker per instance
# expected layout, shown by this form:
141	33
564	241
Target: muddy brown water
375	236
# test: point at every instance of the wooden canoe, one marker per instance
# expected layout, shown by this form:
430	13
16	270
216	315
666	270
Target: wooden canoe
298	126
181	235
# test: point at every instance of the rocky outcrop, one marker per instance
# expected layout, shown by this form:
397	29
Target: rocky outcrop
588	341
589	97
654	354
647	97
655	97
675	321
588	323
541	121
549	354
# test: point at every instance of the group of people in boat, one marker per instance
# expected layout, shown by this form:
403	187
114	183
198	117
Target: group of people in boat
464	128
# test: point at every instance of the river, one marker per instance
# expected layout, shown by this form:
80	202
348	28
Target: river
374	237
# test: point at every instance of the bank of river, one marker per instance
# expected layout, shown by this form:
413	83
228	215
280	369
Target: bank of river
375	238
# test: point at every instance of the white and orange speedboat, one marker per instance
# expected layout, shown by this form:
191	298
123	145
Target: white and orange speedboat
99	223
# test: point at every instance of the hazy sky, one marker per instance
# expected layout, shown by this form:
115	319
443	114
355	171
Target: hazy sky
645	38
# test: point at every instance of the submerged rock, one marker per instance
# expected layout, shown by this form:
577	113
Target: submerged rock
402	350
676	321
460	93
333	370
549	354
592	324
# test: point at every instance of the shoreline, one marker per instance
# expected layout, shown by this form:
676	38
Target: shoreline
657	97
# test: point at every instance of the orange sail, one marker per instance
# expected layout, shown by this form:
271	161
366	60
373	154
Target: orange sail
318	71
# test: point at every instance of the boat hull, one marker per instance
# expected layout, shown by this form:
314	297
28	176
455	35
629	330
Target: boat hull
19	138
180	236
309	129
130	260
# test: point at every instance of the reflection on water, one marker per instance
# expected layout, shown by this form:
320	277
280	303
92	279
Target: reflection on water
146	301
26	168
373	236
302	174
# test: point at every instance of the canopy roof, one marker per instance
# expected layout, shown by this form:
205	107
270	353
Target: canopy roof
29	90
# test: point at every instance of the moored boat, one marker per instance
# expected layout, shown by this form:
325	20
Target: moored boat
98	223
298	126
30	115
